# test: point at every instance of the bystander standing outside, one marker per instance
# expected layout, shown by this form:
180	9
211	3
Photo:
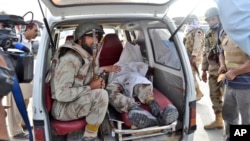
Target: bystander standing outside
15	122
235	61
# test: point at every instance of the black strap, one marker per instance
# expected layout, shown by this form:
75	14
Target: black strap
18	96
219	33
21	38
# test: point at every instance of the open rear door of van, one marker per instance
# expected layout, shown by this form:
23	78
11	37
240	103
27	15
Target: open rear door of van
64	8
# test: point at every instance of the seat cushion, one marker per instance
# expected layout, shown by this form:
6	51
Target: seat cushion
48	99
159	97
111	50
62	127
65	127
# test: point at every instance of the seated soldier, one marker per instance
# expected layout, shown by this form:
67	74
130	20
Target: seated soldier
77	93
131	82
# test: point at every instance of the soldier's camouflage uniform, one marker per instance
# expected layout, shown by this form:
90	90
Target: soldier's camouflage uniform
194	41
73	97
211	64
122	102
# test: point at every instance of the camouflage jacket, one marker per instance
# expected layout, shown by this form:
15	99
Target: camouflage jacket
71	74
210	62
234	56
194	41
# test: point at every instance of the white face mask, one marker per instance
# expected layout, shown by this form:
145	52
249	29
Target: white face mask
214	25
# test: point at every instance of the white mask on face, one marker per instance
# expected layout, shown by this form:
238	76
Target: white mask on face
214	25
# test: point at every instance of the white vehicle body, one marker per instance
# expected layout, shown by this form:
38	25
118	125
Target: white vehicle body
142	22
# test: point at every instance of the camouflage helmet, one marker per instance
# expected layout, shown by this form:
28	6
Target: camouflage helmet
87	28
211	12
193	17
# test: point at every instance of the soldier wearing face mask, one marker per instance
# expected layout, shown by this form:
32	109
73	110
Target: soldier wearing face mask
210	64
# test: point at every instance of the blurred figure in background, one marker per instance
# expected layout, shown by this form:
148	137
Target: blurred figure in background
193	41
15	122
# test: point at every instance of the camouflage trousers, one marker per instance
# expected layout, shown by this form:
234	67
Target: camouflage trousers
121	102
92	105
216	93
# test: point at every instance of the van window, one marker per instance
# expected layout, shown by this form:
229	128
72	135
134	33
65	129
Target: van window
165	52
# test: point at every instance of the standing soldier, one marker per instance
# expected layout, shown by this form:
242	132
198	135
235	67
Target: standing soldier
193	42
210	63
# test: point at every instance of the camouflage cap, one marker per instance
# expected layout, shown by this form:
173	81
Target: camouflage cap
87	28
211	12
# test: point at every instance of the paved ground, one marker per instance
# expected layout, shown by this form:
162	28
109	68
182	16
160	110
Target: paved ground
30	117
205	116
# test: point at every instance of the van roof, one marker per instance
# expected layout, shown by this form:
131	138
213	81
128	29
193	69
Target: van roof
89	7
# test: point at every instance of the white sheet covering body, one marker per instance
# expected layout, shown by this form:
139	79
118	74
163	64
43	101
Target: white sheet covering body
133	69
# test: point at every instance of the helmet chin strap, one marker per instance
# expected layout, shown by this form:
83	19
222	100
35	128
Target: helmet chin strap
214	26
94	48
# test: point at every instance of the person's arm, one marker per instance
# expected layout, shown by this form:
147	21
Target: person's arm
2	61
222	68
245	68
236	21
111	68
191	49
197	43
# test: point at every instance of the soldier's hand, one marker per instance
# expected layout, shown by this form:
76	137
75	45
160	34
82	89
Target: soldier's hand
222	69
97	84
115	68
204	76
192	61
112	68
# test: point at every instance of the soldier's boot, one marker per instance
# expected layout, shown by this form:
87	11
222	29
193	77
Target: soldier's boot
141	118
166	116
199	94
217	124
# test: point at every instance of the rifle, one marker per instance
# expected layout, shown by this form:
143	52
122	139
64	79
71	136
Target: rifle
94	51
